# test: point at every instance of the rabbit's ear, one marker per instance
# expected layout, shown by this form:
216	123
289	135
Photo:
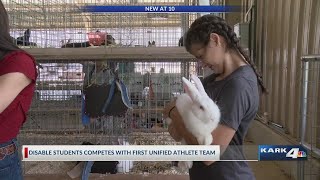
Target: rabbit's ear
190	89
198	84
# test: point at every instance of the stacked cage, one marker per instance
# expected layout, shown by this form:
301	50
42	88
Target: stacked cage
76	49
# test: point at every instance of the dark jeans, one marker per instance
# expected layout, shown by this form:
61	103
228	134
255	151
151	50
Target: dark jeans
10	165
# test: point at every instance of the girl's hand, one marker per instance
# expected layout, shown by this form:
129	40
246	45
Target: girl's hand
177	129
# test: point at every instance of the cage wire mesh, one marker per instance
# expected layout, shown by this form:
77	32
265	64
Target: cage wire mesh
56	113
55	23
310	121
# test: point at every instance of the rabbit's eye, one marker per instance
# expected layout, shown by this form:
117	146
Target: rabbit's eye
201	107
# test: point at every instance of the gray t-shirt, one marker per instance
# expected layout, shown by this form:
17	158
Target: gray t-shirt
238	98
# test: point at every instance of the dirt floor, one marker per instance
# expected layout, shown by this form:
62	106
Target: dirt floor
268	171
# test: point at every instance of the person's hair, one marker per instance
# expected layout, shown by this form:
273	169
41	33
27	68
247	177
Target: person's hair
199	33
6	42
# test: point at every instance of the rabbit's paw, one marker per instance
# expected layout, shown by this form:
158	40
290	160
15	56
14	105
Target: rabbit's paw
205	140
201	140
208	140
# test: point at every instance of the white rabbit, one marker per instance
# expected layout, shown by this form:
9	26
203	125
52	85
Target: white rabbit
199	114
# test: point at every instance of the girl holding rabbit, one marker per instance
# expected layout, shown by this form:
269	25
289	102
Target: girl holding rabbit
234	87
18	74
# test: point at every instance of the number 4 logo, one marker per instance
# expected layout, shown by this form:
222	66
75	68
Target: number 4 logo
293	153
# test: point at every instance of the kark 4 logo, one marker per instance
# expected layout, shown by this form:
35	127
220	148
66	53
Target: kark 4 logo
282	152
296	153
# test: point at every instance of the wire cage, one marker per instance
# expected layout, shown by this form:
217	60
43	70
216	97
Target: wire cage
310	123
56	115
40	24
60	23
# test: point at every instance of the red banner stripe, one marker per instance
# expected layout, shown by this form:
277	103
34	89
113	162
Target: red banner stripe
26	152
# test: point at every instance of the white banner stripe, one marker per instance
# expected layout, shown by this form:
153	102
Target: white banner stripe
120	153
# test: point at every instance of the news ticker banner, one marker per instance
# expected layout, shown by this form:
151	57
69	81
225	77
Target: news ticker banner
162	153
119	153
160	9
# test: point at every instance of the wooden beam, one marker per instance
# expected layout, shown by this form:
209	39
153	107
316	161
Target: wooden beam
53	110
156	54
78	110
85	132
60	87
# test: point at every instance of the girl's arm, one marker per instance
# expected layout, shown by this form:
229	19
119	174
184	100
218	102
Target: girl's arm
222	136
11	84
